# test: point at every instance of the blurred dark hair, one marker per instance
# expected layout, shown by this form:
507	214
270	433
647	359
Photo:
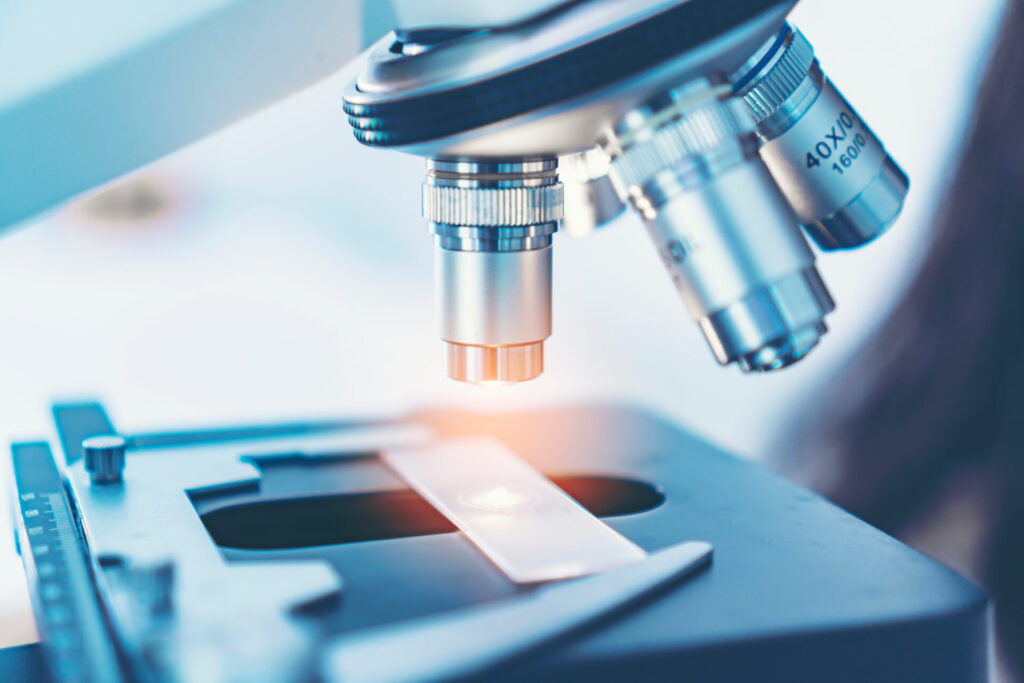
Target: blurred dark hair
937	395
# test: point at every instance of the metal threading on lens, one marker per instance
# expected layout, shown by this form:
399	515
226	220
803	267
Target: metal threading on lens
843	185
493	222
687	162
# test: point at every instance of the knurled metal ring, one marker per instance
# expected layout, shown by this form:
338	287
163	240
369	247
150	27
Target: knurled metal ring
492	206
693	134
780	79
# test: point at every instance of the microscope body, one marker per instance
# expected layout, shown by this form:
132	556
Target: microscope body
712	120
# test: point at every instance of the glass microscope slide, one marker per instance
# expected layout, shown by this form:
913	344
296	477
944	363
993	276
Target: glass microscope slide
521	521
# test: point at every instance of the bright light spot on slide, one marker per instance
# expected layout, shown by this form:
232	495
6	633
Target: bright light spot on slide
496	499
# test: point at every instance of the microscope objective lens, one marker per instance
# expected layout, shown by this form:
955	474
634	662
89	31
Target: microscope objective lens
493	223
843	185
687	162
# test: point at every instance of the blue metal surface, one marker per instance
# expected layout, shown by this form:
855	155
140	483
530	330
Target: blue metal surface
94	90
799	591
71	622
25	663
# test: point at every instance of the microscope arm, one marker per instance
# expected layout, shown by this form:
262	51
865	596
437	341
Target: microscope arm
91	91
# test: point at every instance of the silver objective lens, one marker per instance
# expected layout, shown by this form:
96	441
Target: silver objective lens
844	187
688	164
493	223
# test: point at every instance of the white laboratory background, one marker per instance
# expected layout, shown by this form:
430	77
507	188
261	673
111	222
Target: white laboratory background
284	272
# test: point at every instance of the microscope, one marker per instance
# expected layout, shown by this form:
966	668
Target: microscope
449	545
712	120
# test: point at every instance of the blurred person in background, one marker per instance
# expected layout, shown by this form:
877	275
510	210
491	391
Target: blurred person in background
923	434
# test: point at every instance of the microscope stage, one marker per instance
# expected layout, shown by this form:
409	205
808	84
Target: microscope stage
286	540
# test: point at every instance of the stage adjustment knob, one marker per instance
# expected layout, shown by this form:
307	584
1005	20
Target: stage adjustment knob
104	457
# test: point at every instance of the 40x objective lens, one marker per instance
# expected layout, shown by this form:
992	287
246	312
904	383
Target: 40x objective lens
835	173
